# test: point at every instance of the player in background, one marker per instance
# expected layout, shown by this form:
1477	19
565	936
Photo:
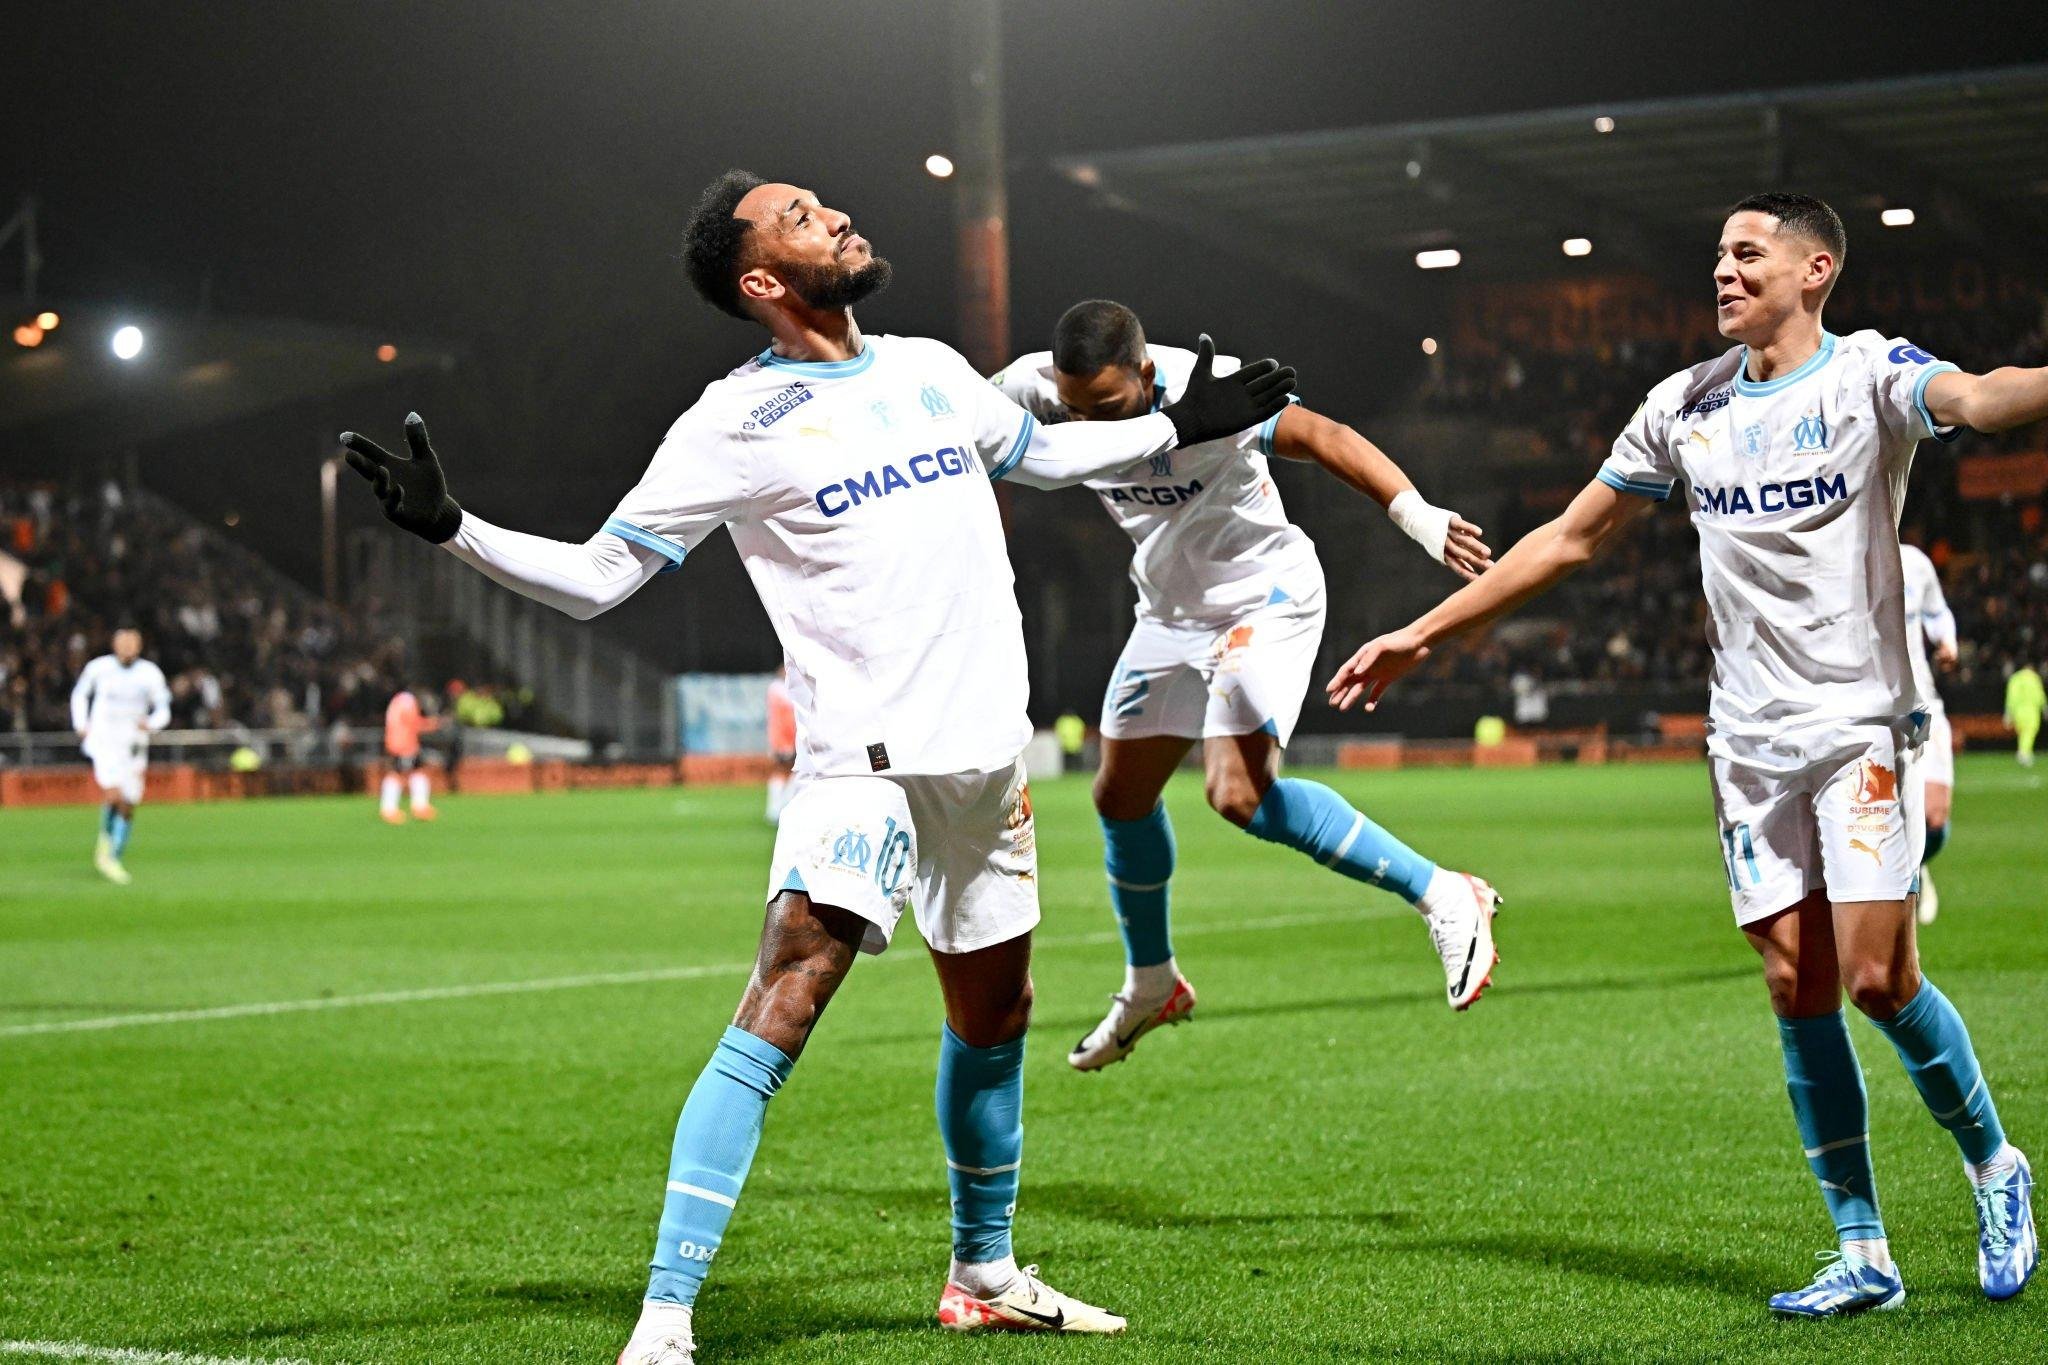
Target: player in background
1929	623
118	702
781	743
855	474
404	723
1229	619
1794	447
2024	702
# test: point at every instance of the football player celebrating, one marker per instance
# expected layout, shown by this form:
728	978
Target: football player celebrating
855	473
1230	616
1794	446
120	699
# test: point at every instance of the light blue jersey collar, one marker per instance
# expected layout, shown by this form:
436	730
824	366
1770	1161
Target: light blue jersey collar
821	369
1752	388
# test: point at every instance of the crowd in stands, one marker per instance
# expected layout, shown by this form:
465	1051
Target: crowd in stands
239	645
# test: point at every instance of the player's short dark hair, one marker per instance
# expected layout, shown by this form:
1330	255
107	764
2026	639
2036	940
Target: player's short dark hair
715	243
1095	333
1806	216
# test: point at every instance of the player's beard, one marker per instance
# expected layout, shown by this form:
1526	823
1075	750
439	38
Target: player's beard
829	288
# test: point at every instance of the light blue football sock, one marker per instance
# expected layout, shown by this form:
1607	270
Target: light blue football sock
1935	1046
1937	840
1310	817
107	821
1826	1085
715	1140
1138	856
119	831
981	1120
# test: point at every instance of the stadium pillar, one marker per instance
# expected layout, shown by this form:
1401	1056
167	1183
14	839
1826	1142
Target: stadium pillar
981	206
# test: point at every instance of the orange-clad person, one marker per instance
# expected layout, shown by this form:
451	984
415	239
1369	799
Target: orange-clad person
781	743
404	723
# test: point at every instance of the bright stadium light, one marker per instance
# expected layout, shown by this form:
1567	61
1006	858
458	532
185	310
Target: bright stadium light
939	166
127	342
47	321
28	336
1429	345
1896	217
1603	124
1578	246
387	353
1441	259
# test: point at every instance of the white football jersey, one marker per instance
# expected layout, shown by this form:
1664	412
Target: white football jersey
1929	622
1213	540
112	702
1795	485
859	494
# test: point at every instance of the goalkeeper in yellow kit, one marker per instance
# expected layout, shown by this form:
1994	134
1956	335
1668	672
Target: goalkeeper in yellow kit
2024	702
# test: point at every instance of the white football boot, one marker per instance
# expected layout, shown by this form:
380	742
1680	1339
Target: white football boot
1930	903
662	1337
1128	1020
108	865
1028	1305
1459	912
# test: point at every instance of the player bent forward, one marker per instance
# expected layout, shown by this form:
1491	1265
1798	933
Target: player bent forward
118	702
855	474
1230	616
1794	447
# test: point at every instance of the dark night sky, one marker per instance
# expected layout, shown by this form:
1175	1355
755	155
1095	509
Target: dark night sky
511	176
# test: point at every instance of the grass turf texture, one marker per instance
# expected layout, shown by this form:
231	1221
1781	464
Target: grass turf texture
1598	1162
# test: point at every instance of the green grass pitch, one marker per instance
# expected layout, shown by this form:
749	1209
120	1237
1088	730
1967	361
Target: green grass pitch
1596	1163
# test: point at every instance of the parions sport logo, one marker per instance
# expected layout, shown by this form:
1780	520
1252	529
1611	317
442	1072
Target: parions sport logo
1789	496
792	397
1712	401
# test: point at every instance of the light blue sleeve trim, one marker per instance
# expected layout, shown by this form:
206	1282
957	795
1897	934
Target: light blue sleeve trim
1017	448
1640	487
646	539
1920	400
1272	425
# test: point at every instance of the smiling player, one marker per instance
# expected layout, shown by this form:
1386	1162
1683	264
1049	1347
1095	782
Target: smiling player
855	473
1794	447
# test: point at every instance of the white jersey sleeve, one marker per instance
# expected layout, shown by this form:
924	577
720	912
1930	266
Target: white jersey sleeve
1641	461
159	697
1901	383
81	696
699	479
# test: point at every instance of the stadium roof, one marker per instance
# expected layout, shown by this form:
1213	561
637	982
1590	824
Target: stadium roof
72	393
1646	183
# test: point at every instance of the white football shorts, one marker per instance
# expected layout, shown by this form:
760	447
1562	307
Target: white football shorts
1199	681
961	848
119	767
1849	822
1937	762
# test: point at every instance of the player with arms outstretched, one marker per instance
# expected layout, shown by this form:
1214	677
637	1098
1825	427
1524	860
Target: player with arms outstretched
120	699
1930	625
855	474
1230	616
1794	447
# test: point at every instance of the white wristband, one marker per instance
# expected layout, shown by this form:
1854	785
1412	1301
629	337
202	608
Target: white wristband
1426	525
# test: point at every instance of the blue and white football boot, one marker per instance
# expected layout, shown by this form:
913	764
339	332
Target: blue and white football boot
2007	1243
1844	1286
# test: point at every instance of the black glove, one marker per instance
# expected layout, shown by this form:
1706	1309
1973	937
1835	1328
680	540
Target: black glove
414	492
1213	408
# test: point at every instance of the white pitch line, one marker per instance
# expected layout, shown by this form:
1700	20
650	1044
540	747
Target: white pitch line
128	1355
260	1009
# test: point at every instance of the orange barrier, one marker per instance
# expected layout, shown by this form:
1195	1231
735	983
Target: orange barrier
1373	754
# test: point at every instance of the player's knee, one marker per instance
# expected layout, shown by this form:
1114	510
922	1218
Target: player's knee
1115	801
1234	796
995	1023
1881	989
1781	979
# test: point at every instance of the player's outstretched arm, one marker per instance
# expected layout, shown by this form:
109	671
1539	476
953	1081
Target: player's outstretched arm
81	701
1443	535
581	580
1210	409
1999	401
1540	559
